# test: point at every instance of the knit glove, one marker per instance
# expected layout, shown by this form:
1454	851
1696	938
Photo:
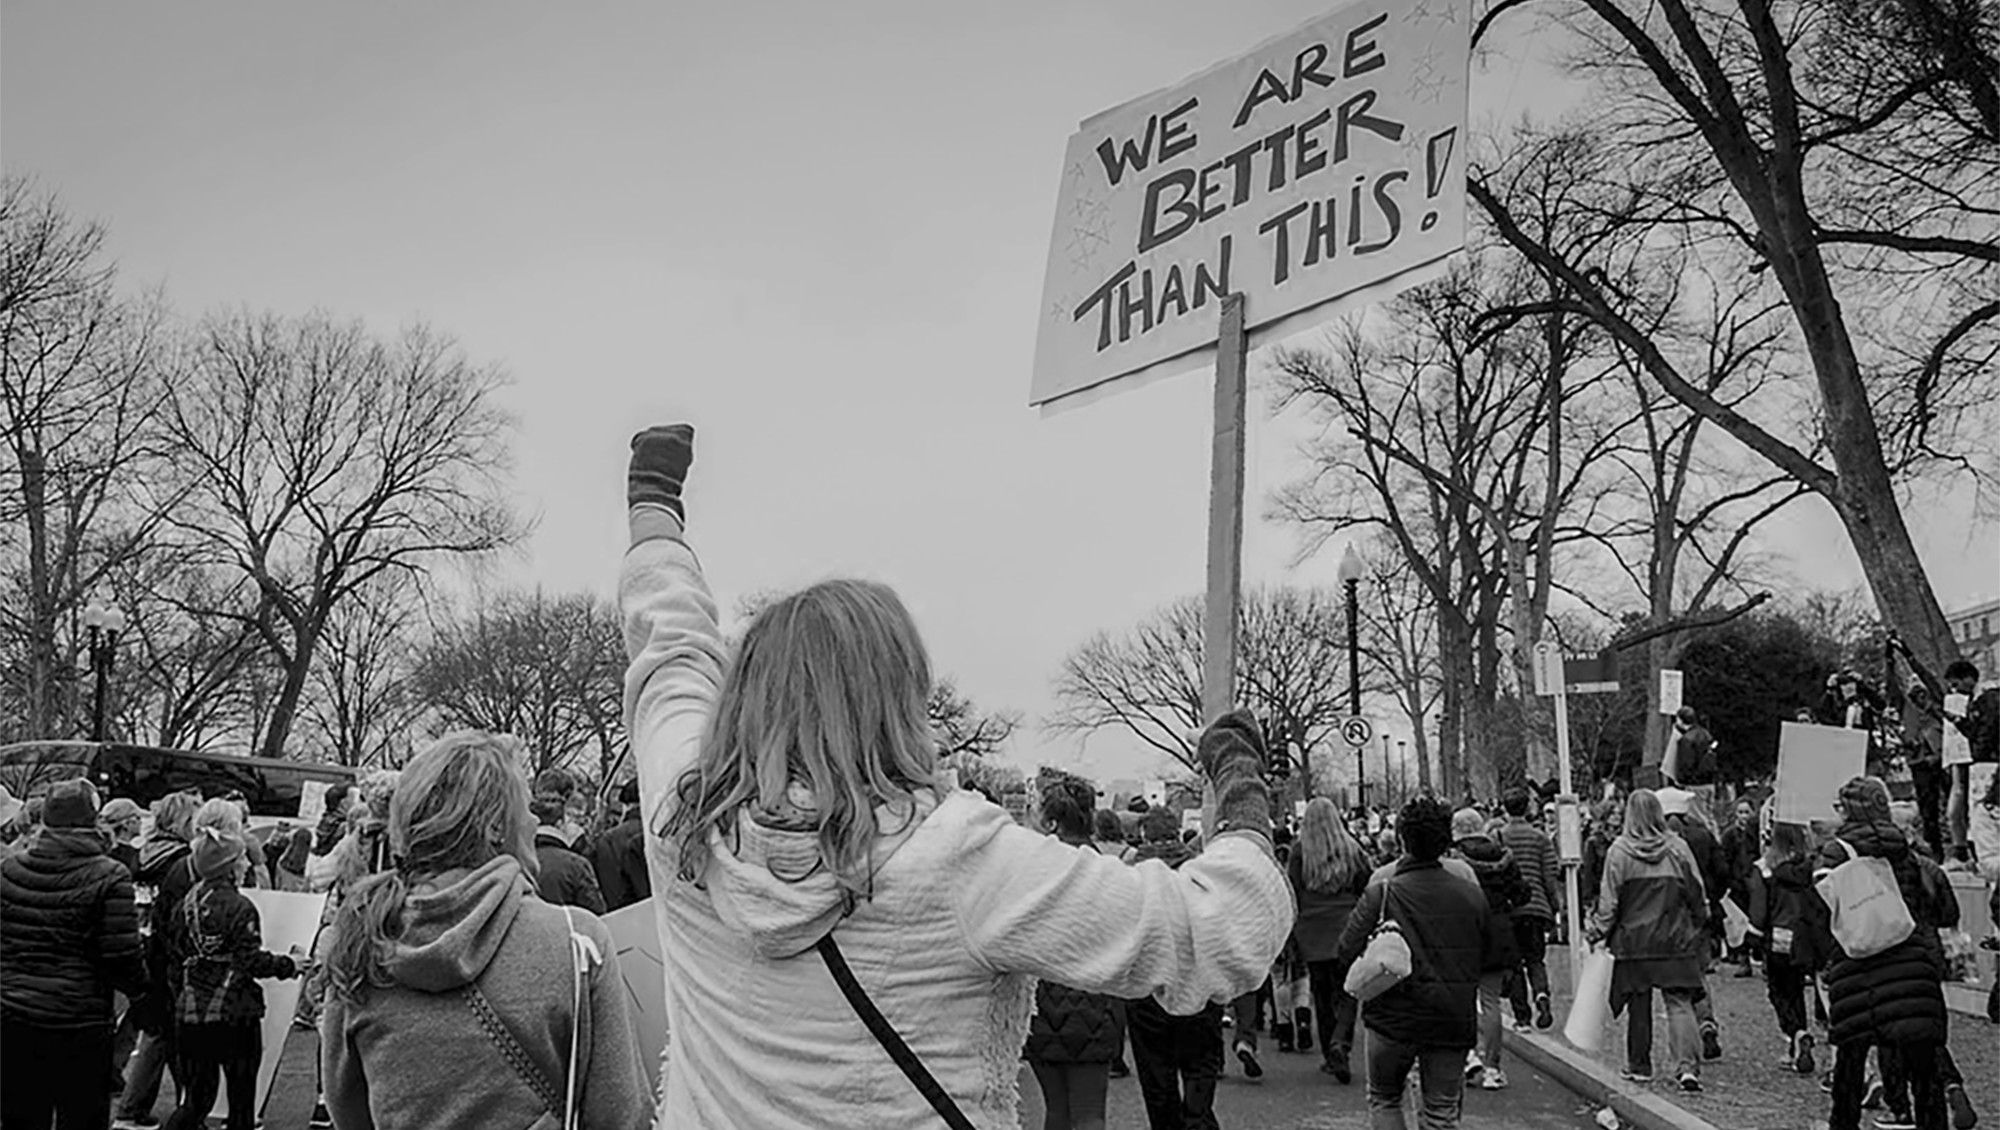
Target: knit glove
1231	755
661	456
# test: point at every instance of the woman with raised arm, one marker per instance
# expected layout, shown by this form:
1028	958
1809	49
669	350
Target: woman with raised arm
845	946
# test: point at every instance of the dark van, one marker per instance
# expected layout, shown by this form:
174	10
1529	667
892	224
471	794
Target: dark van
147	773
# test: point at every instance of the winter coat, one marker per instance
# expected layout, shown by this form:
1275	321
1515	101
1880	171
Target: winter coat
1981	725
1652	909
478	956
1322	914
1694	757
1540	866
1784	899
1500	879
1450	931
565	877
619	859
1709	860
1590	875
1739	859
166	867
1896	996
1071	1025
215	950
967	909
69	933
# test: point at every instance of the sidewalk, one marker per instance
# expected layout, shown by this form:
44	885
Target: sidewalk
1744	1090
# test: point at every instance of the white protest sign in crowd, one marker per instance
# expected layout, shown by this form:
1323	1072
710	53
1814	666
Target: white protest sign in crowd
1313	174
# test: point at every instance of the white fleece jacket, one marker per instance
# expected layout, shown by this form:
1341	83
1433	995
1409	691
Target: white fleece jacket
969	908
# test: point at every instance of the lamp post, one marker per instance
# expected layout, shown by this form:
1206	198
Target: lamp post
101	623
1350	578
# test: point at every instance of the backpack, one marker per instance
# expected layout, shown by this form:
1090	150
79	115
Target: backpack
1866	905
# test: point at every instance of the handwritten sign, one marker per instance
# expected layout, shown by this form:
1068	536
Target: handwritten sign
1322	170
1671	683
287	919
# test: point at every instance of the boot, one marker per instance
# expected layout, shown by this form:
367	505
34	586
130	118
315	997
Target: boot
1302	1028
1803	1062
1282	1030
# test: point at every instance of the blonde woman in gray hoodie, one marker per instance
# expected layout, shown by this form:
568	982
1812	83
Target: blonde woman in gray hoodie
457	998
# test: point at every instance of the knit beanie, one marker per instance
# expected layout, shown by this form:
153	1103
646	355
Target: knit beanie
1467	823
217	854
70	804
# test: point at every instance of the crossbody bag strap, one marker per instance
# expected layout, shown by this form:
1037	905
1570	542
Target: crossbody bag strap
886	1035
510	1049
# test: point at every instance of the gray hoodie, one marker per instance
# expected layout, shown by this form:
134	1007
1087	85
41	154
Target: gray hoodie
427	1053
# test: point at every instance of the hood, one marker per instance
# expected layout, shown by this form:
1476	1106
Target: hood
1173	853
1646	849
157	855
770	883
70	846
451	931
1484	854
1884	840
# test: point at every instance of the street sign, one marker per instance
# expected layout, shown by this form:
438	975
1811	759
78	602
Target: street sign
1548	668
1357	731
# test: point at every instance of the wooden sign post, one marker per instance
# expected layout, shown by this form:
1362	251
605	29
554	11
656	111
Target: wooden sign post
1225	515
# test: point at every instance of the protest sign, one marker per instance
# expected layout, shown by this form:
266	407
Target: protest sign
288	919
1319	171
1813	762
1670	691
312	802
635	938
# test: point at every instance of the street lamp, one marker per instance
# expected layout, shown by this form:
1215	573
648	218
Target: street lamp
1350	578
102	623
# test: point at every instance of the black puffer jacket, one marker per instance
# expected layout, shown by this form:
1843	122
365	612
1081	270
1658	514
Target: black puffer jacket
1896	996
1070	1025
1450	932
165	866
68	932
1506	891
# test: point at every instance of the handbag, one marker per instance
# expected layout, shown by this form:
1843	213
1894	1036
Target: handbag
891	1040
1867	907
1385	962
583	957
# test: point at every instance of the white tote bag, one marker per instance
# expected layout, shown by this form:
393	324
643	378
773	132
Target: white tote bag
1866	904
1584	1027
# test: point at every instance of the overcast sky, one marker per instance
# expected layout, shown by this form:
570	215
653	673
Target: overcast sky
815	230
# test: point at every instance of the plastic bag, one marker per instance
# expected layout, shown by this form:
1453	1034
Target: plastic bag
1588	1015
1735	923
1984	833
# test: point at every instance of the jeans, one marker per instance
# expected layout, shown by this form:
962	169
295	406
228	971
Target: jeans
1896	1085
1177	1059
1915	1062
1072	1094
1333	1010
1247	1013
1958	810
1531	939
54	1076
142	1075
1683	1037
1492	988
209	1053
1440	1075
1785	984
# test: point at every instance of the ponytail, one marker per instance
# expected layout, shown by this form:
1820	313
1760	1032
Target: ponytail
368	924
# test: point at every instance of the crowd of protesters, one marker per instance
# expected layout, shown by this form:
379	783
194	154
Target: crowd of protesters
849	941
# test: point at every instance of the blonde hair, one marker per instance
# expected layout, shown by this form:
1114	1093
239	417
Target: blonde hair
829	687
1644	818
222	815
173	815
460	804
1330	858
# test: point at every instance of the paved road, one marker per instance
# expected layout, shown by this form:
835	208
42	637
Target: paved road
1293	1095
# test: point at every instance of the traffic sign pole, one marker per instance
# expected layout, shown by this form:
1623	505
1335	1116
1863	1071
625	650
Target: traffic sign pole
1553	681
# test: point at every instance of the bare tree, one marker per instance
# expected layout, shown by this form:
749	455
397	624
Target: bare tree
1399	624
361	709
1291	668
546	669
187	656
319	459
1846	155
963	728
80	386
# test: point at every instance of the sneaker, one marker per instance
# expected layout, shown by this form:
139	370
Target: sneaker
1473	1068
1711	1042
136	1122
1871	1099
1544	1017
1690	1082
1803	1061
1248	1056
1963	1117
1894	1121
1637	1074
321	1119
1339	1070
1494	1079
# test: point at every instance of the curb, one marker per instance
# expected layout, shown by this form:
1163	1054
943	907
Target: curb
1599	1084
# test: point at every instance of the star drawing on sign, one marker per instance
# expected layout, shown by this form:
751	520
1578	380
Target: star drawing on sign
1429	86
1090	234
1435	12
